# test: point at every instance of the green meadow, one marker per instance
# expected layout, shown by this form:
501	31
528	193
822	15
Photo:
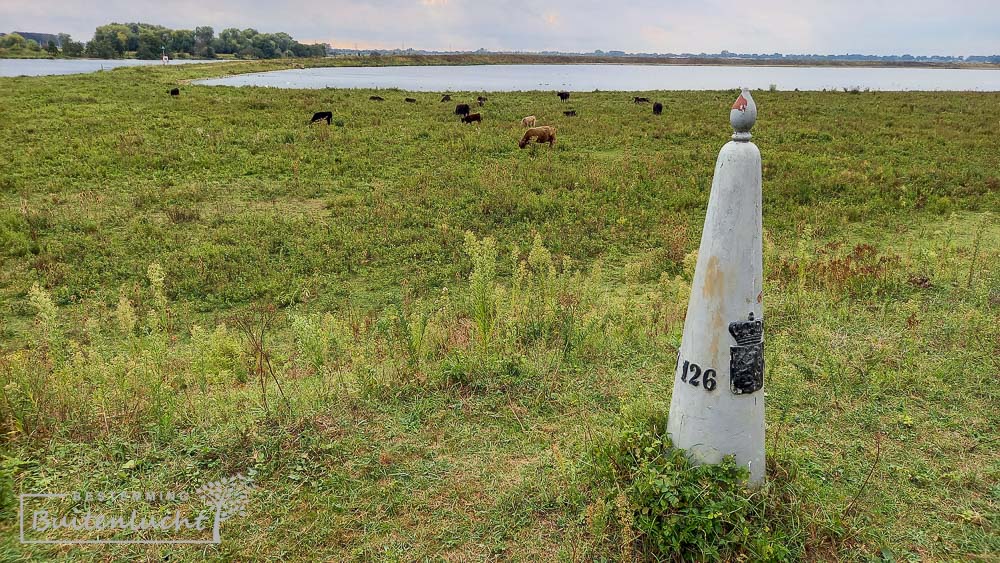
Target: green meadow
427	344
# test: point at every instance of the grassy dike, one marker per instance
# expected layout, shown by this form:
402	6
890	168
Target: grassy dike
474	342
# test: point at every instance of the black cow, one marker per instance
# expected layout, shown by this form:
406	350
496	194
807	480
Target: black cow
410	100
563	95
376	98
446	98
462	109
472	117
481	99
639	100
320	116
570	113
175	92
657	108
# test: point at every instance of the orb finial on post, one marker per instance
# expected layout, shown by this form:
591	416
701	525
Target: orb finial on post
743	115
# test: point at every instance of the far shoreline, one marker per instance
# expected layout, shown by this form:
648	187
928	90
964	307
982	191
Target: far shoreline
508	59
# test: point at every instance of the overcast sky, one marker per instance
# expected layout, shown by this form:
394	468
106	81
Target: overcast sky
881	27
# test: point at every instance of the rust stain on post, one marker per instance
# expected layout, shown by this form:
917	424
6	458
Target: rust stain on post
713	279
712	290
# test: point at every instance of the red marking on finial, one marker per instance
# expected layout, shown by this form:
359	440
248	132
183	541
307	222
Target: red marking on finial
740	103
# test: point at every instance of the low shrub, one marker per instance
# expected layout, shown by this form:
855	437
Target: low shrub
659	505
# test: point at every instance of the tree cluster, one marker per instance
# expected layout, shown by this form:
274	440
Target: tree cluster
17	42
146	41
152	41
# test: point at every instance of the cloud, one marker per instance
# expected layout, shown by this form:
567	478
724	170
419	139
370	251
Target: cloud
791	26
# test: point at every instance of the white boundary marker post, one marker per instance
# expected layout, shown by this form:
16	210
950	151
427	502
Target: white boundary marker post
717	408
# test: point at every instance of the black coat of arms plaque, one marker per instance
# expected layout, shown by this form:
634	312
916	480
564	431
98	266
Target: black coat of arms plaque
746	364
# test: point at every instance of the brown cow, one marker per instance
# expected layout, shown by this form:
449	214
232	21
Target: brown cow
543	134
472	117
528	121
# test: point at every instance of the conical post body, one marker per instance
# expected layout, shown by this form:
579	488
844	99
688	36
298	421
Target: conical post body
717	408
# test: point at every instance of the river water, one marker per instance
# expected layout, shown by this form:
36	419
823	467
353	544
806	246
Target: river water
44	67
572	77
589	77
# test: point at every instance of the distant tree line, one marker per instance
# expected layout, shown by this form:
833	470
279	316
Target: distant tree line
811	57
16	41
38	42
149	41
723	55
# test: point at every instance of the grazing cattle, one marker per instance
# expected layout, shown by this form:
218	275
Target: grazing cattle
543	134
376	98
528	121
657	108
320	116
481	99
462	109
410	100
446	98
563	95
639	100
473	117
570	113
175	92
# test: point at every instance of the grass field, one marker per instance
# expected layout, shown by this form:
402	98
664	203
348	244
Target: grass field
424	342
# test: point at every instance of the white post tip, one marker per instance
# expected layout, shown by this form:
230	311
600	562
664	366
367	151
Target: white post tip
743	115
